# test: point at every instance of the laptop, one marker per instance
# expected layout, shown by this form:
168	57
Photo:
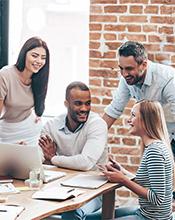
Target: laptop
88	181
18	160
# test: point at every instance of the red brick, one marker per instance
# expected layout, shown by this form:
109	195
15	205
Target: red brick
162	57
95	27
134	28
115	9
135	160
129	141
113	45
167	10
106	101
118	122
109	64
133	19
103	18
152	47
149	28
123	131
110	83
134	1
109	55
95	100
154	38
110	27
94	36
96	9
103	1
166	30
125	150
101	92
171	2
95	82
170	39
162	20
169	48
173	59
110	36
132	37
103	73
94	54
114	140
151	9
94	63
121	159
136	9
94	45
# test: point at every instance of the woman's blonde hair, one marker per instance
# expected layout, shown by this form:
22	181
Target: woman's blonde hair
153	121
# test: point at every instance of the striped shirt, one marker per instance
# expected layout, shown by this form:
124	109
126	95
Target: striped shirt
156	174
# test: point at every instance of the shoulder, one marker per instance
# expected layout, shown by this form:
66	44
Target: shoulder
56	121
96	120
7	72
162	71
156	148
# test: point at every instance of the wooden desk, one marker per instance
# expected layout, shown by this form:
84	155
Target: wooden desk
39	209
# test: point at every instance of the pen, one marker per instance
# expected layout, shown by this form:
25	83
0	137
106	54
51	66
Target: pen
3	210
70	190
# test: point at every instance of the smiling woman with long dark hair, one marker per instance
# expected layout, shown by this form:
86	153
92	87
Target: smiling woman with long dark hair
23	88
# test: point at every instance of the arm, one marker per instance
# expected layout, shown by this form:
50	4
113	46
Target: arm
1	105
115	175
109	120
120	99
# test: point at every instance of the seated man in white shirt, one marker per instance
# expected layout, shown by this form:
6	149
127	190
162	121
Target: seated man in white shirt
76	140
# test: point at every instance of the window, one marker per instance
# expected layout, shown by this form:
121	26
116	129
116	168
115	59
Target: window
64	25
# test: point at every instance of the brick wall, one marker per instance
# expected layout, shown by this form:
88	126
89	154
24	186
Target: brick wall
112	22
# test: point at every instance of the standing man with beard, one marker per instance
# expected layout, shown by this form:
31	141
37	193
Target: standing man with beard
143	79
76	140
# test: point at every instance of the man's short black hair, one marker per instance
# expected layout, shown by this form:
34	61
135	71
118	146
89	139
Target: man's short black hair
135	49
77	84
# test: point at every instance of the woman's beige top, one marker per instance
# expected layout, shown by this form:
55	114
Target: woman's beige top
17	97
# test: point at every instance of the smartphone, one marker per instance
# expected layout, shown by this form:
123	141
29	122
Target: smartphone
114	164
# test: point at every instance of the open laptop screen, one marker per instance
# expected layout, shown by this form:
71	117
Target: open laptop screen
18	160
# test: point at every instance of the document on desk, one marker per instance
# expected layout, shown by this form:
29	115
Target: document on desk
86	181
10	212
57	193
8	188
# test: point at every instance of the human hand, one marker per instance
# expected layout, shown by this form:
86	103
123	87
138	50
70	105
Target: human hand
114	163
113	174
37	119
48	146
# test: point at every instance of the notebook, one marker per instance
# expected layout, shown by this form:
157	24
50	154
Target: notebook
85	181
57	193
10	212
18	160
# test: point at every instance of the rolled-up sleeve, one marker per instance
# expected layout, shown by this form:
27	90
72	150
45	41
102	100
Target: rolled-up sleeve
120	99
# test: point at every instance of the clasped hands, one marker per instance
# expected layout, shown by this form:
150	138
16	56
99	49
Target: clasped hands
48	146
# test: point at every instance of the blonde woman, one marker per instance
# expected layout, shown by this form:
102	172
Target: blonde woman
154	179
